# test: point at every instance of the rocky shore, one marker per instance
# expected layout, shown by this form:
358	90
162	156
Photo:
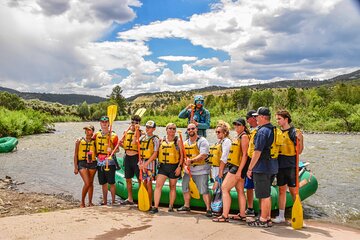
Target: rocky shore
14	202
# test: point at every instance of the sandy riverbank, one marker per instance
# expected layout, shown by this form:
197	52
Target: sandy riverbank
120	222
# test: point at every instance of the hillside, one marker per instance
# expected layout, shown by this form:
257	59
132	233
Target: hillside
157	99
65	99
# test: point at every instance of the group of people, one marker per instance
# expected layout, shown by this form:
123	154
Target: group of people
250	161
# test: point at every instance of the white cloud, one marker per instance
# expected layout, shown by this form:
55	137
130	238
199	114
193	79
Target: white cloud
178	58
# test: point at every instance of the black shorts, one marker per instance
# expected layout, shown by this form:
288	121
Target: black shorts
168	170
232	168
85	165
106	176
245	169
262	182
286	176
131	166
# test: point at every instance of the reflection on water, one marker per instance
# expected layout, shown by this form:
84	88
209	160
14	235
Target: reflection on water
45	163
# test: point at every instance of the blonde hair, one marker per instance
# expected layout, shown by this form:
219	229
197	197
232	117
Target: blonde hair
169	125
224	126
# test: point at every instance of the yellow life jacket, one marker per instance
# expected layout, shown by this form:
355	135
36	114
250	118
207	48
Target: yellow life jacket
277	143
84	148
288	148
102	142
192	151
169	152
251	148
147	147
215	154
235	153
128	141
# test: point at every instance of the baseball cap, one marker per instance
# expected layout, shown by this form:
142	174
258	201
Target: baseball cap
151	124
262	111
90	127
240	121
104	118
250	114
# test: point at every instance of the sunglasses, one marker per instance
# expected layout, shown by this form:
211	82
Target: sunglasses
237	124
191	129
135	122
171	128
217	132
148	127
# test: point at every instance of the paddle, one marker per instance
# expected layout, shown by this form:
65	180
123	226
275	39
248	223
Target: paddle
194	191
140	112
297	210
111	112
143	196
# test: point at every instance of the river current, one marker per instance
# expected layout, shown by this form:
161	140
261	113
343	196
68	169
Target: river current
45	163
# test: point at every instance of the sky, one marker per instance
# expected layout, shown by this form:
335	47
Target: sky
89	47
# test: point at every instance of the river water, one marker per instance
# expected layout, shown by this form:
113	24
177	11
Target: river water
45	163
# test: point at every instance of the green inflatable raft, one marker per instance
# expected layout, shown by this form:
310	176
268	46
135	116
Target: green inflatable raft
308	186
7	144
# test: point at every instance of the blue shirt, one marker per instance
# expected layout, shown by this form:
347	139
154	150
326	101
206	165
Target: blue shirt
201	116
263	141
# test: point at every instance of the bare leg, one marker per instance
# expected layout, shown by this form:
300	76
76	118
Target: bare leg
112	191
91	187
282	197
148	184
228	184
187	199
160	180
265	208
206	198
172	191
129	189
105	192
84	173
241	196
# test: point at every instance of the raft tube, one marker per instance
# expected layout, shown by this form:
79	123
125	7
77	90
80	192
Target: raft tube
308	186
7	144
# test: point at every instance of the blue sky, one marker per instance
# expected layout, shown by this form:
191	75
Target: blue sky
88	47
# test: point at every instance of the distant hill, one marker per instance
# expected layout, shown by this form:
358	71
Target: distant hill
65	99
353	77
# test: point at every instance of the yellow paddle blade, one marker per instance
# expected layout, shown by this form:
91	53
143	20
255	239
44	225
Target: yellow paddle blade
112	112
297	214
194	191
140	112
143	199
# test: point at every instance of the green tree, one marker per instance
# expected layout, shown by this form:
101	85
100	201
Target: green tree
241	98
84	111
11	101
342	111
292	98
117	97
262	98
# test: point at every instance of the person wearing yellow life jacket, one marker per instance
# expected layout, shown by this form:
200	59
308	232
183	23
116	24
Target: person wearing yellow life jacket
197	150
237	165
149	147
131	159
105	142
85	163
263	166
286	176
218	155
249	183
170	159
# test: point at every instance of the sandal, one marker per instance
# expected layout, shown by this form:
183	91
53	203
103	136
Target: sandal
238	217
127	202
221	219
258	223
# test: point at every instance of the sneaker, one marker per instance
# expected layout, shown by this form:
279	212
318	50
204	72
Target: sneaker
154	210
279	219
208	213
183	209
127	202
171	209
250	212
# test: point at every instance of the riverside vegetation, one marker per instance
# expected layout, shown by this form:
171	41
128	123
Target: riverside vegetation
331	107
